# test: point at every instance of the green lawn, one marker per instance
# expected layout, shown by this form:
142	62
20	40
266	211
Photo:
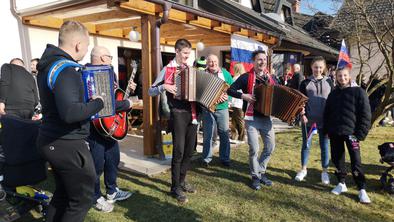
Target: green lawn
225	195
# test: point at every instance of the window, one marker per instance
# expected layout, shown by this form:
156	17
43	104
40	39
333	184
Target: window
286	15
184	2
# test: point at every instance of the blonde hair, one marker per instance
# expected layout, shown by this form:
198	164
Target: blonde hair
69	29
239	69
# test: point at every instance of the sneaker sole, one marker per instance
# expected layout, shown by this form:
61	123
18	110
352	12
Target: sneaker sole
119	199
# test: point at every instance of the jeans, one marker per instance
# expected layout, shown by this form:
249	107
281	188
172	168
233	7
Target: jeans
184	140
221	117
106	158
74	174
306	146
262	126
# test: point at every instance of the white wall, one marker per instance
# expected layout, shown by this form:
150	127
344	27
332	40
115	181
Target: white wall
10	46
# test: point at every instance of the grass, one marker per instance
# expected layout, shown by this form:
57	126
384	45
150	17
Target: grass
225	194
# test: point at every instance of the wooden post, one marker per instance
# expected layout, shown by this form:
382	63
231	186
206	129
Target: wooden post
150	110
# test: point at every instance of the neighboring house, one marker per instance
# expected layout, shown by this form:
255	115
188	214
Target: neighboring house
297	46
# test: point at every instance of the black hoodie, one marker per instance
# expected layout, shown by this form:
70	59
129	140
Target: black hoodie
65	114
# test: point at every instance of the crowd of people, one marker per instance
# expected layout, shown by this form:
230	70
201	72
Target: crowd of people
79	155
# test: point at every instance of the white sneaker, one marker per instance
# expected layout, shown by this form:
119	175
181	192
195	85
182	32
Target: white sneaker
363	196
340	188
301	175
103	205
118	196
325	178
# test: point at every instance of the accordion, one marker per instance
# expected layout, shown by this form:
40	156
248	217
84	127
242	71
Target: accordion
99	80
279	101
199	86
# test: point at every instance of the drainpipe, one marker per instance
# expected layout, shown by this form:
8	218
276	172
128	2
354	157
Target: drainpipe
158	60
23	35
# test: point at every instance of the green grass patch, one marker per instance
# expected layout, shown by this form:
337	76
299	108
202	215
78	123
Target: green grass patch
224	194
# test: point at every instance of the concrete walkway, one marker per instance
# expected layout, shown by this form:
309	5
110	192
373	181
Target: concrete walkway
132	158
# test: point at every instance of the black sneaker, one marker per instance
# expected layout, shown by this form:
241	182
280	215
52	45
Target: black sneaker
205	164
256	183
188	188
179	195
264	180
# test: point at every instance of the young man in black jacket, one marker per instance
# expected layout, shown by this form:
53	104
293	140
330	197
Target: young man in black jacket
65	126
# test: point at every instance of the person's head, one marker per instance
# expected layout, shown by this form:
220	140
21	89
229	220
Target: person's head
297	67
100	55
33	65
182	51
17	61
259	61
213	63
239	69
318	66
342	76
74	39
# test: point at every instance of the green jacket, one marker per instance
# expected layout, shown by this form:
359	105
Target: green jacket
229	80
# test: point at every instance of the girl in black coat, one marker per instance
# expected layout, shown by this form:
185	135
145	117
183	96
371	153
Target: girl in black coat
347	119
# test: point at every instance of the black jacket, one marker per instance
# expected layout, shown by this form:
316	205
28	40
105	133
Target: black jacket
295	82
347	112
18	88
65	114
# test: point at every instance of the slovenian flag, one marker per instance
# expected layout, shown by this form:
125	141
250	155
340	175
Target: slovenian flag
242	49
344	59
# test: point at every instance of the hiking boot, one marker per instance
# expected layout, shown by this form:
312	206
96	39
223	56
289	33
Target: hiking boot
325	178
256	183
301	175
340	188
179	195
103	205
118	196
363	196
188	188
264	180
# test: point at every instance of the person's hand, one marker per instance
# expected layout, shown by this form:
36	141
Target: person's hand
131	103
248	97
97	97
170	88
304	119
223	98
132	86
36	117
2	109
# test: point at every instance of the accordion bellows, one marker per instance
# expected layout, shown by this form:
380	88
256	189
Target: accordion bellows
99	80
280	101
199	86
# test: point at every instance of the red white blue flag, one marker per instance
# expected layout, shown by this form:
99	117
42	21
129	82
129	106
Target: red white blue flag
344	59
242	49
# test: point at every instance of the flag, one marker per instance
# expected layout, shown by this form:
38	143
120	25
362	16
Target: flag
312	131
242	49
344	59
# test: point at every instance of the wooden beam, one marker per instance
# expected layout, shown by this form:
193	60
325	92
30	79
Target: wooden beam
147	78
48	21
180	16
100	16
122	24
226	28
205	23
141	7
197	37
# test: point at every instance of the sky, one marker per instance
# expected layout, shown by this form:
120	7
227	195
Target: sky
326	6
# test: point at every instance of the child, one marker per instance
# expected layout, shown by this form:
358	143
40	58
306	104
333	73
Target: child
347	119
183	130
316	87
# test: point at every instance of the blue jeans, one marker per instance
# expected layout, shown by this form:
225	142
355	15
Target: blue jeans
106	158
221	117
262	126
306	147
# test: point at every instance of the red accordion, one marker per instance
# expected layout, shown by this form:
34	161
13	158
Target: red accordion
199	86
279	101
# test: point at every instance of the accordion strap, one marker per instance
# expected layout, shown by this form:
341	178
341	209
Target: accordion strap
56	68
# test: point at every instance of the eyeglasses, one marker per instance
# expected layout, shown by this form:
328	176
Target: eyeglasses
109	56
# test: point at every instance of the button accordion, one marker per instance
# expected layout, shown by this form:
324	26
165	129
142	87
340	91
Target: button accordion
99	80
279	101
199	86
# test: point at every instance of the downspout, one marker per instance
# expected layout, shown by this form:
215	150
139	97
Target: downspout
158	59
23	35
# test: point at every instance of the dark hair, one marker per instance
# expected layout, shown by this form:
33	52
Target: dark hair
255	53
35	59
16	59
181	44
317	59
